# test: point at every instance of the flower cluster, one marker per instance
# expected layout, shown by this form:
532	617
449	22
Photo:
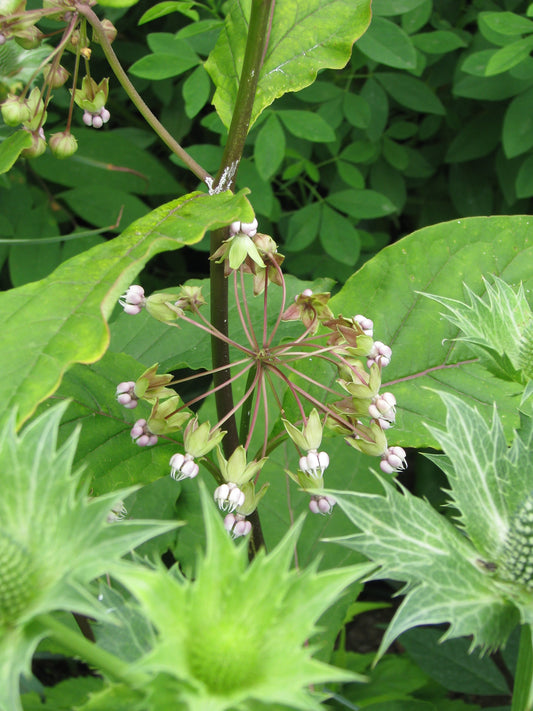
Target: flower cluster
29	107
356	409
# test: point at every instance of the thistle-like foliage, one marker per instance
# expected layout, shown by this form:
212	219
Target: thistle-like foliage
476	575
54	540
498	328
237	633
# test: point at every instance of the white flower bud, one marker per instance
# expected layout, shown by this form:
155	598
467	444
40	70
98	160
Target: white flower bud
322	504
393	460
183	466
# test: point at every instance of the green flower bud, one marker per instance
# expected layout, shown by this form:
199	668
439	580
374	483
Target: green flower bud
110	31
55	77
29	38
164	417
63	145
161	307
15	111
37	148
92	97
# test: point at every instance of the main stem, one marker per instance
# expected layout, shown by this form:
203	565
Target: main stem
256	44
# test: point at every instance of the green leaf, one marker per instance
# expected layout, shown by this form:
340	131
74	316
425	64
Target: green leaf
100	205
168	7
394	7
303	40
269	147
171	57
117	3
338	237
386	43
524	179
361	204
109	159
411	92
438	41
67	527
451	664
274	664
82	292
11	148
509	56
379	108
356	110
518	125
303	227
495	88
438	259
196	90
477	138
506	23
414	544
304	124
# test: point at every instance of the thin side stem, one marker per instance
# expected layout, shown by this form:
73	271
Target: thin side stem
135	97
108	663
241	315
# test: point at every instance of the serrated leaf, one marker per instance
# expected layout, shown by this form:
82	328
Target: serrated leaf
82	292
11	148
272	665
302	41
65	536
386	43
424	353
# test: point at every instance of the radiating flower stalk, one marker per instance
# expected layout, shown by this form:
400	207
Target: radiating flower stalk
354	408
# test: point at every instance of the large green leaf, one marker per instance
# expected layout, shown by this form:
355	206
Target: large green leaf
305	37
50	324
438	260
11	148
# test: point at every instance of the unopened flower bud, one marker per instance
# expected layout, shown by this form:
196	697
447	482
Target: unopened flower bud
393	460
109	29
55	77
30	38
15	111
63	145
38	146
383	409
98	122
322	504
380	354
237	525
141	435
133	300
366	324
125	394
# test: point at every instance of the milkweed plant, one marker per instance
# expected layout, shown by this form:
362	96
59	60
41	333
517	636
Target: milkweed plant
293	369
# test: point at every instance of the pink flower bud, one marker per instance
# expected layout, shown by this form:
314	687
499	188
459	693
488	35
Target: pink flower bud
322	504
87	118
97	121
105	115
366	324
142	435
133	300
249	228
393	460
380	354
237	525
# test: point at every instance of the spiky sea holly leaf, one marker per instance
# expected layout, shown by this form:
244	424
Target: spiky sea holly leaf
237	633
304	38
476	575
494	326
79	296
54	540
444	579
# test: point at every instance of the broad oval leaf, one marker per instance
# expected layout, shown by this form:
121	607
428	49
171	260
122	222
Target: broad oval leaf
411	92
385	42
305	37
438	260
518	125
50	324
